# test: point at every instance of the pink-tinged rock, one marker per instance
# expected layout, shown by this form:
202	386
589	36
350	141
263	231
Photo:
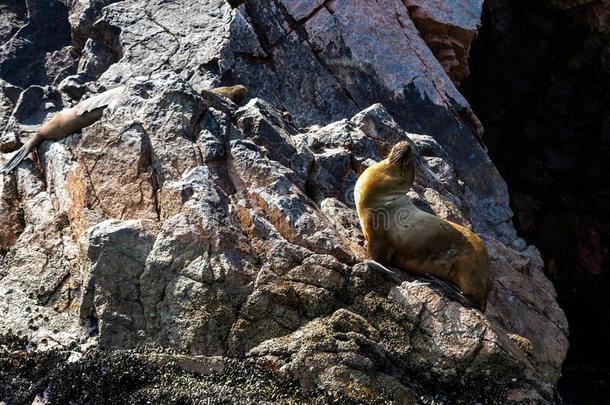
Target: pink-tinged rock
300	9
37	288
113	178
232	231
382	40
522	300
448	27
126	157
10	212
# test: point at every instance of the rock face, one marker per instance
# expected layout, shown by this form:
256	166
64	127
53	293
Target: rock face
449	30
183	222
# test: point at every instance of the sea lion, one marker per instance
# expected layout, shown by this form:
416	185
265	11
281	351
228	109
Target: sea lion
234	93
85	113
66	122
401	235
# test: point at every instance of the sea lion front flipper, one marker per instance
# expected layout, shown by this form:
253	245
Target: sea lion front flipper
17	157
100	100
380	268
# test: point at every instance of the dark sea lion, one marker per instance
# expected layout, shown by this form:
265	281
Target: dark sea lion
65	123
401	235
234	93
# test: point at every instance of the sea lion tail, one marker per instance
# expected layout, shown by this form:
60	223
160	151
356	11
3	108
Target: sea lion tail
16	159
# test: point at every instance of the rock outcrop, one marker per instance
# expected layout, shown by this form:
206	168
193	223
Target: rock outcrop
182	222
449	30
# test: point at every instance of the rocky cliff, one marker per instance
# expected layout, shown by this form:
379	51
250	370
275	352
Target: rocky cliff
183	229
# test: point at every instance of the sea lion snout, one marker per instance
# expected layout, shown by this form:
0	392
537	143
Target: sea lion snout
401	151
402	157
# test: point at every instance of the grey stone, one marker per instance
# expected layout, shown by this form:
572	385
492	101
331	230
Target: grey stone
183	222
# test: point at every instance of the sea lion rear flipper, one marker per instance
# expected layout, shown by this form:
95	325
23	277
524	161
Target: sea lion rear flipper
448	289
16	159
451	291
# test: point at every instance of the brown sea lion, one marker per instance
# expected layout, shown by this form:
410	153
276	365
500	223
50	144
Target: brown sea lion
402	236
87	112
65	123
234	93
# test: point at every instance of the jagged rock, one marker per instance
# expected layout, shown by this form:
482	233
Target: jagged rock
183	222
82	16
244	257
28	57
354	70
9	142
39	277
116	252
8	97
96	59
10	213
342	353
448	31
13	16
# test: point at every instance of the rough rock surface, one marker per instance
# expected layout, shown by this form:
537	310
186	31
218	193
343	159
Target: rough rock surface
449	30
183	222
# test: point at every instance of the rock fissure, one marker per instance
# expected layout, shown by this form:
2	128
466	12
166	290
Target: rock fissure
425	63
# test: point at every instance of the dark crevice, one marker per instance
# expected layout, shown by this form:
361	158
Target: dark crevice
175	39
149	163
258	28
540	84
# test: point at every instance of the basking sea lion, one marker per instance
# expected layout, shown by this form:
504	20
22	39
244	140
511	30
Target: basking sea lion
87	112
402	236
234	93
65	123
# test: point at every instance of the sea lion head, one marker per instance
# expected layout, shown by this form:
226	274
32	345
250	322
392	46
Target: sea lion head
401	163
238	93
